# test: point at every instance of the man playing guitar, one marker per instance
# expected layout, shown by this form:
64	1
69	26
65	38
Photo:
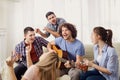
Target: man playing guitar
73	46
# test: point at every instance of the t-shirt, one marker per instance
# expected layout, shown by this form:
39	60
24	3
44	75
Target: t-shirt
32	73
73	48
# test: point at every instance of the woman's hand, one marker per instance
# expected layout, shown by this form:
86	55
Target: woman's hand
14	57
87	62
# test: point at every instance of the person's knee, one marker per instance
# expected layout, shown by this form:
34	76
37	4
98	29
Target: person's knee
75	74
19	70
16	70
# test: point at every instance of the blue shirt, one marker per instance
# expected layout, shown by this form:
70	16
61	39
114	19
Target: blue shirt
38	43
73	48
109	60
55	27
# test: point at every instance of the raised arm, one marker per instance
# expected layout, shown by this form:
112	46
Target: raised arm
54	33
10	61
28	57
41	33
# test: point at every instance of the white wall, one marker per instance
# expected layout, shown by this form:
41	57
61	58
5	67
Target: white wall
15	15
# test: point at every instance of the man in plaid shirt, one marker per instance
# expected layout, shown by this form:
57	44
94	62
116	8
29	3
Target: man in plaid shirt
34	46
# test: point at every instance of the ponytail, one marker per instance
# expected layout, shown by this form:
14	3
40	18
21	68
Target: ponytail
106	35
109	37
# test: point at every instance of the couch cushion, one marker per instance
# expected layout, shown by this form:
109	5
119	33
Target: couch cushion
88	51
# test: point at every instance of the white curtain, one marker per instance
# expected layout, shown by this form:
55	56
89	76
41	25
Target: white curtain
85	14
15	15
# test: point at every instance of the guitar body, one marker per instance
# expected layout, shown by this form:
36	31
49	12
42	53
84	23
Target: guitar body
61	54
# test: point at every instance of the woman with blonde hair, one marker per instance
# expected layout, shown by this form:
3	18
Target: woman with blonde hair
45	69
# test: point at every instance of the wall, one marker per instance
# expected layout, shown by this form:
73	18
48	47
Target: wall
15	15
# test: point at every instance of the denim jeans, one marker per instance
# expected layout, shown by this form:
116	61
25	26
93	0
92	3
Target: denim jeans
91	75
19	71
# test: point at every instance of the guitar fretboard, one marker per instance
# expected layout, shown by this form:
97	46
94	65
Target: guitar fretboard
64	60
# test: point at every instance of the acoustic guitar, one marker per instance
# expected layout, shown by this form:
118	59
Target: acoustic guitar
63	57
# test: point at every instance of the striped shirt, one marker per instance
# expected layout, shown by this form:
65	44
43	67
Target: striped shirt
38	44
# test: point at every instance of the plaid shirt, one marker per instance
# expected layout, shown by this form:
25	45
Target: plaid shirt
38	44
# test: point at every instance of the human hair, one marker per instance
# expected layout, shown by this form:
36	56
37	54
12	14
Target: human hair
49	13
28	29
70	27
48	67
105	34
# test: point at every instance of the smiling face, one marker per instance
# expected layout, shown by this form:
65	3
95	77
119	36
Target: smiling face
66	33
29	37
52	19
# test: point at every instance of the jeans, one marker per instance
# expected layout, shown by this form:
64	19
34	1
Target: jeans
91	75
19	71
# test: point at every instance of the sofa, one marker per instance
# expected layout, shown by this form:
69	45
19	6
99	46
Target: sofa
89	55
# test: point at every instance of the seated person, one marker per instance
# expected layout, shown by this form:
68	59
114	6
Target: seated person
36	44
45	69
74	47
105	64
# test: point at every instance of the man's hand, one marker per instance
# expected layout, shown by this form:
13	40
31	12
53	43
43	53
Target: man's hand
37	30
67	64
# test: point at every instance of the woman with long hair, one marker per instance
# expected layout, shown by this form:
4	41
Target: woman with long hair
45	69
105	63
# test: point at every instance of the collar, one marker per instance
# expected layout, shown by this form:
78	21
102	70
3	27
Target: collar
104	49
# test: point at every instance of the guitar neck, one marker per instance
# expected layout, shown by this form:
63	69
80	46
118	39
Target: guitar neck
64	60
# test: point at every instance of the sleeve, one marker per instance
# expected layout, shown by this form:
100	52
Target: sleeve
80	50
43	41
112	64
58	41
47	33
62	21
17	49
31	73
